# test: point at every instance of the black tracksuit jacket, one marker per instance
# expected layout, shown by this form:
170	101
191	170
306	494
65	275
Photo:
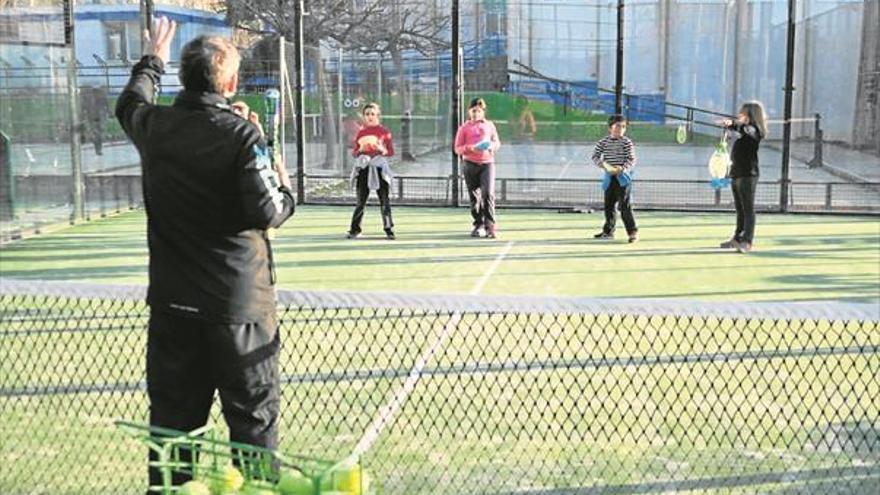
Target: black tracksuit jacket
210	194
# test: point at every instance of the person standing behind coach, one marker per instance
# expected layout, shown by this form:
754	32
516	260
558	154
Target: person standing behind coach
476	141
211	194
750	127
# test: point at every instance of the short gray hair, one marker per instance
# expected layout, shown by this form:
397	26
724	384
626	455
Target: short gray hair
207	63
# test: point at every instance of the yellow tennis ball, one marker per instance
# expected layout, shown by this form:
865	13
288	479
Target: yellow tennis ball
227	480
293	482
194	487
353	480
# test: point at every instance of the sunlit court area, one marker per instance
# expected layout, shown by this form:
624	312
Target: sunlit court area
533	350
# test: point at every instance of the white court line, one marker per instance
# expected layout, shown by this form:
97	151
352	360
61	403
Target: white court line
388	411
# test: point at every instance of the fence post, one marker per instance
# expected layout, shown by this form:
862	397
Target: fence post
618	64
406	152
74	133
116	192
818	139
785	175
7	187
102	199
689	121
129	186
400	188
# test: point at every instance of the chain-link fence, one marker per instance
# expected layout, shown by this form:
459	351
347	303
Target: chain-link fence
457	394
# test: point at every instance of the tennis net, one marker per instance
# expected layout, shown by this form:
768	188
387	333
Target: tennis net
459	394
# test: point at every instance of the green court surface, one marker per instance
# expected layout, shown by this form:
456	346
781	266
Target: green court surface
539	252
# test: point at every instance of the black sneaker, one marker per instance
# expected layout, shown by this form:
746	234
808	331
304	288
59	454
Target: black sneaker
604	236
729	244
633	238
477	232
390	235
352	235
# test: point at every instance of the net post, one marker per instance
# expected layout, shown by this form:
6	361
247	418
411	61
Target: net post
828	195
818	139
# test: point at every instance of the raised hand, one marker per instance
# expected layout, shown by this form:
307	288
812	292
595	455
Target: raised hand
158	42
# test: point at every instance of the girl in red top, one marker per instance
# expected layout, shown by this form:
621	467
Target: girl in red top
476	142
372	146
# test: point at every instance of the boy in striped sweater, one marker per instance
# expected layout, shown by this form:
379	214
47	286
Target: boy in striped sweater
615	153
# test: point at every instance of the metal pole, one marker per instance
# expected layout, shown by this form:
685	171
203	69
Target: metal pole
598	33
456	93
339	112
618	84
785	180
73	116
280	141
379	78
146	19
299	102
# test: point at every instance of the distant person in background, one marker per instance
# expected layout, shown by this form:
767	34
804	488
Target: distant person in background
616	154
476	142
96	110
525	129
372	146
750	127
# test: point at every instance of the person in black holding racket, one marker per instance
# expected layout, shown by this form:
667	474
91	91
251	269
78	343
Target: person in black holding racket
750	127
211	194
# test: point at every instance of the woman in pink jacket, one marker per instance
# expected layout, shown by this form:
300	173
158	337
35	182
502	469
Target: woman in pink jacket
476	143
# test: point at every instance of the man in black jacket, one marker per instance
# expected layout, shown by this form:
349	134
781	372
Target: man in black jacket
210	193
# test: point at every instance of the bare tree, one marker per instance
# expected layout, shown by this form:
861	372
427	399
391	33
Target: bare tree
414	26
367	26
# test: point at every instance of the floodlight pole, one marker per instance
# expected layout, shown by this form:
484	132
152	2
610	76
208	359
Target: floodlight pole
618	85
785	180
456	94
299	102
78	189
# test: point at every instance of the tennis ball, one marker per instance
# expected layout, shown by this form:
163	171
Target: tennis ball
225	481
194	487
293	482
352	480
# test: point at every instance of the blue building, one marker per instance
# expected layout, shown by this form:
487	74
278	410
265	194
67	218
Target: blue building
107	41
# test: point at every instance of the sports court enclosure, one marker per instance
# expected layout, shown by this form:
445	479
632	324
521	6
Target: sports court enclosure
539	363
